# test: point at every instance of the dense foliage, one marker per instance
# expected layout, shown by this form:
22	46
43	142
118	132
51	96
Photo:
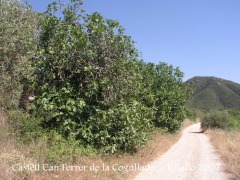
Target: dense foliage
225	119
90	85
215	119
18	25
234	119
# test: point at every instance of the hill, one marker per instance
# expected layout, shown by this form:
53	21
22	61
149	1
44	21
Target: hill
214	93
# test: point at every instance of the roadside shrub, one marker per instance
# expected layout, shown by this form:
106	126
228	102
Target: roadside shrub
215	119
234	119
54	148
122	128
26	127
46	145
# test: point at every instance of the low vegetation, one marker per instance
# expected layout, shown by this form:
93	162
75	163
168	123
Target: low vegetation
215	119
55	151
226	119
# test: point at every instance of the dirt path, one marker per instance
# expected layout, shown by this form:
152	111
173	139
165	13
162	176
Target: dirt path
191	158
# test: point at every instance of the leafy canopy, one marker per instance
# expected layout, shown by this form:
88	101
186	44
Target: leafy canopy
90	85
18	27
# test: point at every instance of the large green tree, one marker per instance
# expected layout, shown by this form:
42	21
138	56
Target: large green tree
90	84
171	94
85	80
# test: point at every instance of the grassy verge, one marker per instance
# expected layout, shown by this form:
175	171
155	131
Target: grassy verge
227	145
11	152
71	162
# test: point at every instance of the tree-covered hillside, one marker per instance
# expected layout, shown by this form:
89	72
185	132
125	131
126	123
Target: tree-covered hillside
214	93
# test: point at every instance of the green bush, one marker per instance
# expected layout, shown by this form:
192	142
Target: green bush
234	119
121	128
26	127
227	119
54	148
215	119
47	146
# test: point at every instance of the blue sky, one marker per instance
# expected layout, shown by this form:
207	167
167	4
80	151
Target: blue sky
202	37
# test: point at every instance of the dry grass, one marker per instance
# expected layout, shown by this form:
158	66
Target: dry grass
228	146
11	154
157	146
